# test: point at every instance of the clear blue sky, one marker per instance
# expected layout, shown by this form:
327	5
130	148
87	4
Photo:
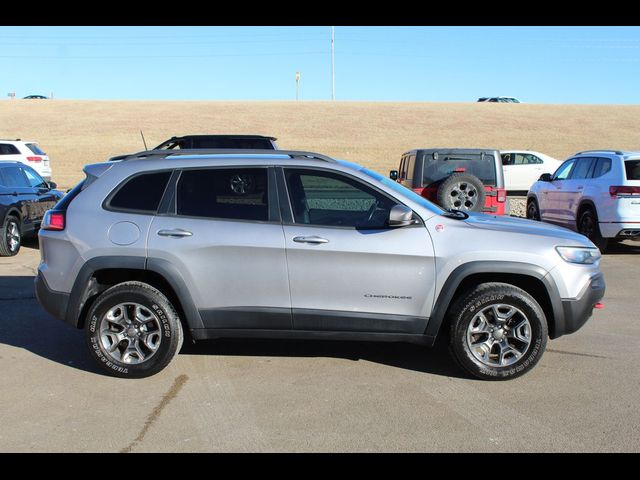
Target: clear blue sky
440	64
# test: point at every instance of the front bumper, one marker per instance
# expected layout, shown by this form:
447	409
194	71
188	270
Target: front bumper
55	303
578	310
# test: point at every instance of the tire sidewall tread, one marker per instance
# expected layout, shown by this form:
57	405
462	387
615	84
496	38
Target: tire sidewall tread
484	295
154	300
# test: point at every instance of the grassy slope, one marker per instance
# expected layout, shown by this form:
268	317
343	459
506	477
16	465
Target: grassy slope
375	134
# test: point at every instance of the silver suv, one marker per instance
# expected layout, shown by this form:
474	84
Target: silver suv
298	245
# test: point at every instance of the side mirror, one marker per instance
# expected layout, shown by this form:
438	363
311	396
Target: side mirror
400	216
393	175
546	177
52	185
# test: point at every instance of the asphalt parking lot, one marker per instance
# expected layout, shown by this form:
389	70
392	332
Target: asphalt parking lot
249	395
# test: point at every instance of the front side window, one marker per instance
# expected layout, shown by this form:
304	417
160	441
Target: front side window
563	171
141	193
231	193
35	180
330	199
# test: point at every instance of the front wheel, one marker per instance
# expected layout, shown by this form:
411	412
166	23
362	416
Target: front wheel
498	331
133	331
533	211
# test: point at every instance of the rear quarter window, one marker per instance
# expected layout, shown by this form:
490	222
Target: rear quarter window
632	169
141	193
35	149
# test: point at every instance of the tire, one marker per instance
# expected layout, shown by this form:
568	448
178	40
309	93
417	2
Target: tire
461	191
498	354
588	226
133	349
533	210
10	237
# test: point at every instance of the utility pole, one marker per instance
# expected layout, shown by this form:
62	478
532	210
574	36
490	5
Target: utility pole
297	84
333	69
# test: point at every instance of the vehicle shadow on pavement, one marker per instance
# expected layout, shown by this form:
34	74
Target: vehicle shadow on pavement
24	324
435	361
629	247
30	242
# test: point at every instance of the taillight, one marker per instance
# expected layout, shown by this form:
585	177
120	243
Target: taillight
34	159
419	190
622	190
53	221
460	170
502	195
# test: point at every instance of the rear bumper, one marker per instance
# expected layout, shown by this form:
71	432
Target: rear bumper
620	229
578	310
55	303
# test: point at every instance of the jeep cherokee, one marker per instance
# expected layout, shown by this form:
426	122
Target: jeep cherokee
298	245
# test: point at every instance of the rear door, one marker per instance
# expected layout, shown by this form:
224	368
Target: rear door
348	271
223	233
573	190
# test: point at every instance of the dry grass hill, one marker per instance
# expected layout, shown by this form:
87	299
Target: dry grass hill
75	133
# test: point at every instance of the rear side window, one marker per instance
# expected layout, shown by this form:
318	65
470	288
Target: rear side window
8	149
582	168
234	193
603	166
632	168
141	193
35	149
13	177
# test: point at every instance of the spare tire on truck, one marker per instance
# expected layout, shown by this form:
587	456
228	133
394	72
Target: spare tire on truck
461	191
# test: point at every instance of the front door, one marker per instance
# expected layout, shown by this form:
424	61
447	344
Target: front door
348	271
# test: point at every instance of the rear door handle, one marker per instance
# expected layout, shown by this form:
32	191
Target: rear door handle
313	239
178	232
580	187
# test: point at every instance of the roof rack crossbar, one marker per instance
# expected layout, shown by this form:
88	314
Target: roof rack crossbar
617	152
225	151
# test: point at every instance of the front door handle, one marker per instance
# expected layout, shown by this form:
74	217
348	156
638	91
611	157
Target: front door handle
580	187
312	239
176	233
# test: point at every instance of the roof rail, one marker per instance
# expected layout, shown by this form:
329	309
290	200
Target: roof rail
221	151
617	152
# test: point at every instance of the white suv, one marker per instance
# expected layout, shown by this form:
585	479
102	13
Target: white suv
28	153
596	193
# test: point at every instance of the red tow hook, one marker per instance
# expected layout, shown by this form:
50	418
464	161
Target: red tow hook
599	306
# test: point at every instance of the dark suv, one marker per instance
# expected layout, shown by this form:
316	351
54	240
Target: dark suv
191	142
455	178
24	198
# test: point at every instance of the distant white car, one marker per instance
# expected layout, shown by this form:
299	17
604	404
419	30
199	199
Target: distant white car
596	193
522	168
28	153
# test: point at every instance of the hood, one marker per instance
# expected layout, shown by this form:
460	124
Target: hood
527	227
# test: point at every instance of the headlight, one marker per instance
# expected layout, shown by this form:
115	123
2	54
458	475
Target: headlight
582	255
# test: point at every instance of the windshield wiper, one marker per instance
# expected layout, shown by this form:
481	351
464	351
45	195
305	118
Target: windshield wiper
457	214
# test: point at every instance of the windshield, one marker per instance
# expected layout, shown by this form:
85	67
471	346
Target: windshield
404	191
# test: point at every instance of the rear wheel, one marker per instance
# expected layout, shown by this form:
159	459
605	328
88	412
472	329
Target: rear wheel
133	331
589	227
498	331
10	237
